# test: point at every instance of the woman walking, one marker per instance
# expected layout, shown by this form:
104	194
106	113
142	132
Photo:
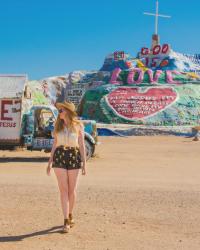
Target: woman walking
67	158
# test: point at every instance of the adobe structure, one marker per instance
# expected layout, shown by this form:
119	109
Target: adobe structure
157	87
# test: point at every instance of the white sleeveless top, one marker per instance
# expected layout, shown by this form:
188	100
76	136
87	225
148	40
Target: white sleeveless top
67	138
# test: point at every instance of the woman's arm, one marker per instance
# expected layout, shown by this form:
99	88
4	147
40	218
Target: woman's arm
81	142
51	155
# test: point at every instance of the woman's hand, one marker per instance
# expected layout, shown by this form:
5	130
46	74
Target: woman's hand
48	170
83	168
81	142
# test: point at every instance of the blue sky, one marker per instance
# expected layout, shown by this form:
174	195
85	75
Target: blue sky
47	38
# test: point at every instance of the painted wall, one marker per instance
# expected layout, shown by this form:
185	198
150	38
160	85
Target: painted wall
166	105
159	87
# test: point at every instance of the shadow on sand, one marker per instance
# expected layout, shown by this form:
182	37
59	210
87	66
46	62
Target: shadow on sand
23	159
52	230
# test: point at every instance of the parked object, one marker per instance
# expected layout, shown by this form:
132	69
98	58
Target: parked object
196	133
31	126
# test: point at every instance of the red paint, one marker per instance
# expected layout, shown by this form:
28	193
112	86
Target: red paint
4	110
164	63
151	62
132	104
165	48
18	102
8	124
129	64
145	51
154	62
119	55
147	61
156	50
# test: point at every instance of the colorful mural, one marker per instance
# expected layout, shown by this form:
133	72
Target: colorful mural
159	87
140	76
164	58
135	104
158	106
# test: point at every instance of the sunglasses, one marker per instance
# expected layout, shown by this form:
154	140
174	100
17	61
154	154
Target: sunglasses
61	110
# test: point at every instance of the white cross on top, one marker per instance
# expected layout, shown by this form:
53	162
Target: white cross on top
156	16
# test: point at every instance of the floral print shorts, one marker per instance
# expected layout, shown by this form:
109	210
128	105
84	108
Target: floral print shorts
67	158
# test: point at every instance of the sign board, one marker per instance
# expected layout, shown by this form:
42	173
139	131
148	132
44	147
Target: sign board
10	119
152	58
41	143
119	55
75	92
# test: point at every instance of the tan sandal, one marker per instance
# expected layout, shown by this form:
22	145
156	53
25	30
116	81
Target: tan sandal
71	220
66	226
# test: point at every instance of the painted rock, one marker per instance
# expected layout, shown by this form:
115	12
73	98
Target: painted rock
133	103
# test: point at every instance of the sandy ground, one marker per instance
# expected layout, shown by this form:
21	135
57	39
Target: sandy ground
139	193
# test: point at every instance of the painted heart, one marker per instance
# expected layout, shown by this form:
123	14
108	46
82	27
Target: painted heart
132	104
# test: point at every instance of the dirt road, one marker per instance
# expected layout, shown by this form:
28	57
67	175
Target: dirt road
139	193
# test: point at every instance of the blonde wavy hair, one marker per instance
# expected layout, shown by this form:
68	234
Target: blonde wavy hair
73	122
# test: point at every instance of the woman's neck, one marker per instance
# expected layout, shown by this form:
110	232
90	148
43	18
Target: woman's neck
66	124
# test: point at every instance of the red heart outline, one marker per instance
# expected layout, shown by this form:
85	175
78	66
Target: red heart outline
132	104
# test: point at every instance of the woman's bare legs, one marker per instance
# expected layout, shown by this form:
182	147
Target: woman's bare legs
72	184
62	179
